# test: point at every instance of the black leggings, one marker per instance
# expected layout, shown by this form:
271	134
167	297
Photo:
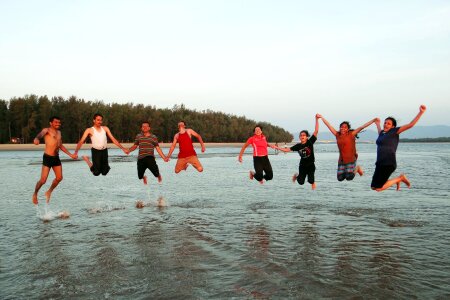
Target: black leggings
262	165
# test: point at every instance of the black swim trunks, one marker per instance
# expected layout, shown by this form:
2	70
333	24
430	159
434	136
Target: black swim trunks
147	162
51	161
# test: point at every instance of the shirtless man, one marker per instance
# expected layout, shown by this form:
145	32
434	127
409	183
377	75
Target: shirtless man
98	133
53	142
187	154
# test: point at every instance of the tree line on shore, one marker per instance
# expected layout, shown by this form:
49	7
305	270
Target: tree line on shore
21	119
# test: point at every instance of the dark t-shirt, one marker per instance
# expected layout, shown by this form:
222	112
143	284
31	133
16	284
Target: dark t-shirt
387	143
306	151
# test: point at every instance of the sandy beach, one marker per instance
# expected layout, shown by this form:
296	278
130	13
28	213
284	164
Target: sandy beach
32	147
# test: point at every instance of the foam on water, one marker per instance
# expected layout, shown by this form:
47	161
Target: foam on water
48	215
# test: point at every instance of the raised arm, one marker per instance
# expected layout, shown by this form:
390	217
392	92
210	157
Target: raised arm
378	123
358	130
405	127
172	147
332	130
113	139
40	135
83	138
199	138
316	130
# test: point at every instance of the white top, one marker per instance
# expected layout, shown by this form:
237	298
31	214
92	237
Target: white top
98	139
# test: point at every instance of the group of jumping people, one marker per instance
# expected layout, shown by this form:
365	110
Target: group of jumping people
386	163
147	142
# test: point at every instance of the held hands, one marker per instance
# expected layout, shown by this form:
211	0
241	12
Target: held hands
74	156
318	116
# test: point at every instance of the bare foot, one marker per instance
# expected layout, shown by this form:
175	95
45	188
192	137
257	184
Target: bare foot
86	159
261	182
35	199
294	178
159	178
251	175
313	186
144	179
405	180
359	170
139	204
48	194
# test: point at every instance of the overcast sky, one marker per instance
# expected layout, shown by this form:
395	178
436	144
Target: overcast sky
275	61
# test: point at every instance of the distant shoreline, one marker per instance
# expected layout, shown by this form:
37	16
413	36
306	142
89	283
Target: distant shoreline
33	147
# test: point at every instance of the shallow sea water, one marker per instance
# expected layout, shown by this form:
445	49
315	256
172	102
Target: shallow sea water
221	235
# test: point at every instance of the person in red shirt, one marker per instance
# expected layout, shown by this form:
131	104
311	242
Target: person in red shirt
261	163
346	142
187	154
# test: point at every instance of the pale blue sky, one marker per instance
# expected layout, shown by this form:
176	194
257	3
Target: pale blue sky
275	61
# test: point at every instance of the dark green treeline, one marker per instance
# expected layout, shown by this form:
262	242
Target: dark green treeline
24	117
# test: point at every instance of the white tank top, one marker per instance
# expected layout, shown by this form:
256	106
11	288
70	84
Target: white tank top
98	139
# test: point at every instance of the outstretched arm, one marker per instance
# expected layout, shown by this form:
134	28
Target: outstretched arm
113	139
358	130
422	109
40	136
242	151
64	149
316	130
172	147
377	122
199	138
132	148
332	130
158	149
83	138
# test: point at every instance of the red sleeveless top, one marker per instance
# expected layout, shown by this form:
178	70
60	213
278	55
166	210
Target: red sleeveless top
186	146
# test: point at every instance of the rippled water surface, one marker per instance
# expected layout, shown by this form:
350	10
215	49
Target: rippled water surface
223	236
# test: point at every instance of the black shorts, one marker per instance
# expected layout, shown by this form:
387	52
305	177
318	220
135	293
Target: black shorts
306	170
147	162
100	163
51	161
381	175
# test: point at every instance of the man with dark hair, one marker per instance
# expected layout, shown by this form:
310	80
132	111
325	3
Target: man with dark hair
98	134
147	143
53	142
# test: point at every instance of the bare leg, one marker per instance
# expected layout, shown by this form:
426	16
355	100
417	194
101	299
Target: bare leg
251	175
313	186
86	159
44	174
396	181
294	177
359	170
144	179
56	181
